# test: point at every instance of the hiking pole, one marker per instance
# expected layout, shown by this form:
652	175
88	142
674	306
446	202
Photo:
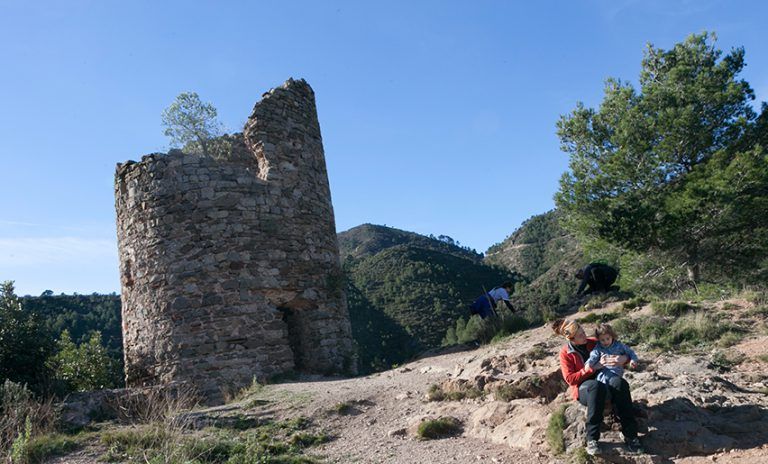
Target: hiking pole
490	302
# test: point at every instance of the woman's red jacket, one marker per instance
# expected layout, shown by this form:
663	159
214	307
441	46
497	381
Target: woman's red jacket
574	370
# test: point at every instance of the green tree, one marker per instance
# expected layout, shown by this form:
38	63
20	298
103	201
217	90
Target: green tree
191	123
24	344
675	167
83	367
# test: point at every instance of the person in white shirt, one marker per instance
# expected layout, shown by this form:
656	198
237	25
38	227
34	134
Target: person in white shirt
485	304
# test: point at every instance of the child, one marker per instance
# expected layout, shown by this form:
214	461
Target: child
608	344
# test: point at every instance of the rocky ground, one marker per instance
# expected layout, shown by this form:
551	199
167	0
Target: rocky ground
690	409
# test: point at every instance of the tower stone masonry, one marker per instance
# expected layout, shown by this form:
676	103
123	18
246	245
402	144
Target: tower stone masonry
230	268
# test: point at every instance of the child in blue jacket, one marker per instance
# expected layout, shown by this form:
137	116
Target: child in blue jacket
607	344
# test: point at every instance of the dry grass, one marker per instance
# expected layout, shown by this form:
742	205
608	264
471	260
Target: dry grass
156	404
19	407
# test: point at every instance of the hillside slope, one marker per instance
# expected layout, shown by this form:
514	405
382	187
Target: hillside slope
722	413
546	256
369	239
406	289
539	244
691	407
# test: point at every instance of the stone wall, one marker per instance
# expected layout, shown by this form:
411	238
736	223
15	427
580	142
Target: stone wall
230	268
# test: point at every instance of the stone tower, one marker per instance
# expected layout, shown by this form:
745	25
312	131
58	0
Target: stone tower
230	268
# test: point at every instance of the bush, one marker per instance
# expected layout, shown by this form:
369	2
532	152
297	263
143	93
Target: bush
594	317
22	415
729	338
435	393
439	428
672	308
274	442
42	447
521	389
480	330
24	342
83	367
633	303
682	334
723	361
756	296
555	431
343	408
596	301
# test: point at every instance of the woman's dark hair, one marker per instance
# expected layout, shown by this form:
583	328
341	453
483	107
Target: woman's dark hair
508	284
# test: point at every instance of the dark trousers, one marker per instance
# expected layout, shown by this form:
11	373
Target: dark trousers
592	394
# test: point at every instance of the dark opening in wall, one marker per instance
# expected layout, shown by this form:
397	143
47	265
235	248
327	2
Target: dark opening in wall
291	319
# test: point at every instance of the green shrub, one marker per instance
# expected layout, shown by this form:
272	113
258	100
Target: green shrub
681	334
20	446
671	308
594	317
134	440
480	330
580	456
439	428
343	408
537	352
83	367
758	311
305	440
756	296
596	301
25	342
435	393
633	303
521	389
19	411
708	292
458	395
274	442
729	338
723	361
42	447
555	431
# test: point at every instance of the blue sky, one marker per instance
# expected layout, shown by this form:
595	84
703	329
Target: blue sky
437	116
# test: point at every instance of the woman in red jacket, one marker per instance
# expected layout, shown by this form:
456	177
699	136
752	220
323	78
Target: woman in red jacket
591	393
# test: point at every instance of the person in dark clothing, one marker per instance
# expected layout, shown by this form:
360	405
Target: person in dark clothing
485	304
596	277
584	388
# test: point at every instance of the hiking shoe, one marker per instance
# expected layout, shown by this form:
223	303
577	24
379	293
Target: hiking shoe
634	446
592	448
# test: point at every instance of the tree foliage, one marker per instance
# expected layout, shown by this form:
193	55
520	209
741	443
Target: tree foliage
191	123
24	343
83	367
676	167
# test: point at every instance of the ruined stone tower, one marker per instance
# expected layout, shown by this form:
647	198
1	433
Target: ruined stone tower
230	268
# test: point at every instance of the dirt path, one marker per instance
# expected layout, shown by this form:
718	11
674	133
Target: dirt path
384	406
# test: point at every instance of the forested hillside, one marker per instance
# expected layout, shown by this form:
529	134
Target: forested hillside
546	256
406	289
369	239
80	315
538	245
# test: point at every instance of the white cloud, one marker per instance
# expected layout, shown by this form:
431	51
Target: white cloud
61	264
37	251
